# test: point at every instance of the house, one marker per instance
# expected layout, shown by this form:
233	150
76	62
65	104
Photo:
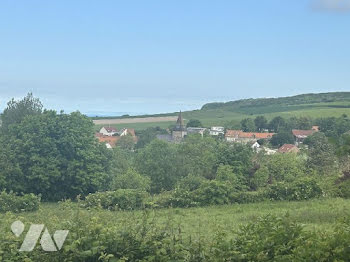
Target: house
108	131
245	137
288	148
217	130
112	140
127	131
255	146
196	130
300	135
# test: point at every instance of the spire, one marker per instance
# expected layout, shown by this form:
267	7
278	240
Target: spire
180	126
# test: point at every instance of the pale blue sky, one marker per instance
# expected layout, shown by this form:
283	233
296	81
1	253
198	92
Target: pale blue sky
152	56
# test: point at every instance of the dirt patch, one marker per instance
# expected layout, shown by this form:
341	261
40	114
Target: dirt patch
135	120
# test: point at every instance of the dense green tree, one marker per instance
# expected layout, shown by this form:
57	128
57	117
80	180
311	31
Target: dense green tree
225	173
260	123
334	127
194	123
321	154
284	137
55	155
147	135
197	156
131	179
248	125
344	145
278	168
239	156
16	111
277	124
126	142
303	123
159	161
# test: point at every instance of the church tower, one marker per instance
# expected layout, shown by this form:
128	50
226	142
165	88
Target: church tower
179	132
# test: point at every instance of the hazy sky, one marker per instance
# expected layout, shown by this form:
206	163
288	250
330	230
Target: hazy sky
152	56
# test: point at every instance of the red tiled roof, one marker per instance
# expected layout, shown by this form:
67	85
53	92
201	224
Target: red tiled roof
98	135
287	148
303	133
241	134
112	140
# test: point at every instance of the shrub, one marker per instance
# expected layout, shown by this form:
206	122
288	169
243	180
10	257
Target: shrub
247	197
190	182
344	189
302	189
131	180
225	173
213	193
267	239
182	198
121	199
14	203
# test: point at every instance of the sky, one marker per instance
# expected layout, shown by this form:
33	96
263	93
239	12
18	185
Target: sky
115	57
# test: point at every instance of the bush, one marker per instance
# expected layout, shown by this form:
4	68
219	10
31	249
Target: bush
344	189
182	198
302	189
14	203
131	180
213	193
121	199
190	182
247	197
267	239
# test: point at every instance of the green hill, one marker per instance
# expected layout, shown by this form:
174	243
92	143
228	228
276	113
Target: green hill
310	105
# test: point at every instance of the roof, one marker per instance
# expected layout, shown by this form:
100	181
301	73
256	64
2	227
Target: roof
253	135
110	129
287	148
302	133
112	140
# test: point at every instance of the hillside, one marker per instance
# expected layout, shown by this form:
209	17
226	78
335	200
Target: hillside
268	105
219	113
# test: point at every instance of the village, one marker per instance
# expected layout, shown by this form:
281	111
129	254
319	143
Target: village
257	140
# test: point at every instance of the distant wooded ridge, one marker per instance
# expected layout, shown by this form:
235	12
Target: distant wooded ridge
289	100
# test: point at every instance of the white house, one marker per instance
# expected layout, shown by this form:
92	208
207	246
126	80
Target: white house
217	130
108	131
255	146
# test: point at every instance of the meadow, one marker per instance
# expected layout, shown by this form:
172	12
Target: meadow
316	214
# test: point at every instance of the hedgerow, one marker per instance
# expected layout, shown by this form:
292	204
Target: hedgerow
15	203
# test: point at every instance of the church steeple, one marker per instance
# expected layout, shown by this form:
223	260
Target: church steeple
180	126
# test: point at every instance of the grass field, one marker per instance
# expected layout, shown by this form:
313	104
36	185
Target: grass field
221	117
318	214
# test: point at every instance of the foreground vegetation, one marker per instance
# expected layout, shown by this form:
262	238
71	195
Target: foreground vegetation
314	230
